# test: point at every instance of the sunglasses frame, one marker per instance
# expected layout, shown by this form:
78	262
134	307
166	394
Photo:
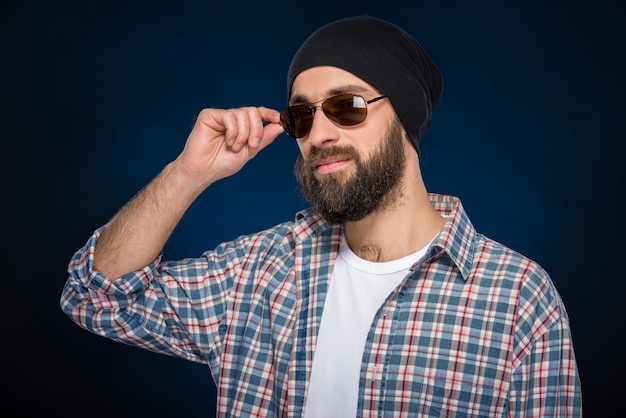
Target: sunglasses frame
287	114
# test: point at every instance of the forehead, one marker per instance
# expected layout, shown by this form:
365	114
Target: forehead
318	83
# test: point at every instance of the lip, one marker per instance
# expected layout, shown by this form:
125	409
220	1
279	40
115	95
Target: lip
330	165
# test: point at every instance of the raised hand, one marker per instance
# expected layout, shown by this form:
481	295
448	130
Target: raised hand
222	141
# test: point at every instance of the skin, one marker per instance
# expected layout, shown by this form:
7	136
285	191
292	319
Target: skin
222	141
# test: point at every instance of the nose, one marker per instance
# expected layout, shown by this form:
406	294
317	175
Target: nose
323	131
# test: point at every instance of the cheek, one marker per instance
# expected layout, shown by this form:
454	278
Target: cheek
304	147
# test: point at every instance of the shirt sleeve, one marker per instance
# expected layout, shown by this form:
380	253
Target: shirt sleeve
545	380
173	308
546	383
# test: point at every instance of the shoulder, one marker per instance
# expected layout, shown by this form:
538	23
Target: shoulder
283	236
517	271
496	258
537	303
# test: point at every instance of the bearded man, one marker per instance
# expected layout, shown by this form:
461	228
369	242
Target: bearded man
379	300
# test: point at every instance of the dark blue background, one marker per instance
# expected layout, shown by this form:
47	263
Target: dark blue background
98	96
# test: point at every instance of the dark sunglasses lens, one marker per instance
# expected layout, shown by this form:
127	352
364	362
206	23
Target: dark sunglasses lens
287	122
345	109
297	120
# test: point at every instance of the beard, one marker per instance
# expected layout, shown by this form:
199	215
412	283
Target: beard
351	195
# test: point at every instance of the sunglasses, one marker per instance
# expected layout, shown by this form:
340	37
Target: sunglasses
344	110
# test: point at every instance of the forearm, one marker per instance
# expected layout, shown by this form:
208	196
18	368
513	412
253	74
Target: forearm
137	233
217	147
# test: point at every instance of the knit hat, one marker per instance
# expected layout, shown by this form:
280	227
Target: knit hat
383	55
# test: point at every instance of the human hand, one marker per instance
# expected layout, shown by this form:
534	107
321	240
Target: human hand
222	141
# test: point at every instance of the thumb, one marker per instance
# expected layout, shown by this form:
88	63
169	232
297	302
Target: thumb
270	133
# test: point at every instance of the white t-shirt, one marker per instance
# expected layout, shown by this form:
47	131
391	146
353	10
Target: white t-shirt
357	290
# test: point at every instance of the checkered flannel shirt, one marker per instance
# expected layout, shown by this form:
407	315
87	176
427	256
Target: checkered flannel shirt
475	329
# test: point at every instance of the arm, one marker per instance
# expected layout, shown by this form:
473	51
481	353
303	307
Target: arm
219	145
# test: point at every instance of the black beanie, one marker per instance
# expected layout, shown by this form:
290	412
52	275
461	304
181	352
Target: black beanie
383	55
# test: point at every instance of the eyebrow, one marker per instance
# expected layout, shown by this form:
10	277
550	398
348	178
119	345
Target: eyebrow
300	98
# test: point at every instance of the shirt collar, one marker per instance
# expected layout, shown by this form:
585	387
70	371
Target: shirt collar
458	236
308	223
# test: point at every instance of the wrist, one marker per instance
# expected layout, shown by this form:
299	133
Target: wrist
184	180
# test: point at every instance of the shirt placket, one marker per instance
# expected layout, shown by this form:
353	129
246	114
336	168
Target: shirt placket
379	344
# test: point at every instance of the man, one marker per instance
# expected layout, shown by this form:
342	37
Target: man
381	299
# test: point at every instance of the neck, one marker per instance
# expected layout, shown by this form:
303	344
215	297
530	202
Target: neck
399	229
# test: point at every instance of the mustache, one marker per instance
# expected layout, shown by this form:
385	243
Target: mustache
335	151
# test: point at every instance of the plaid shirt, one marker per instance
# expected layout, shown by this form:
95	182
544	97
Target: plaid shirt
474	330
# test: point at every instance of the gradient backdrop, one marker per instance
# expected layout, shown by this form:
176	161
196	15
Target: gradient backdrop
97	96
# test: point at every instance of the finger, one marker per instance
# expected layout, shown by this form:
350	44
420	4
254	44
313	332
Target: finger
245	126
251	130
273	128
256	130
269	115
228	120
270	133
243	119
